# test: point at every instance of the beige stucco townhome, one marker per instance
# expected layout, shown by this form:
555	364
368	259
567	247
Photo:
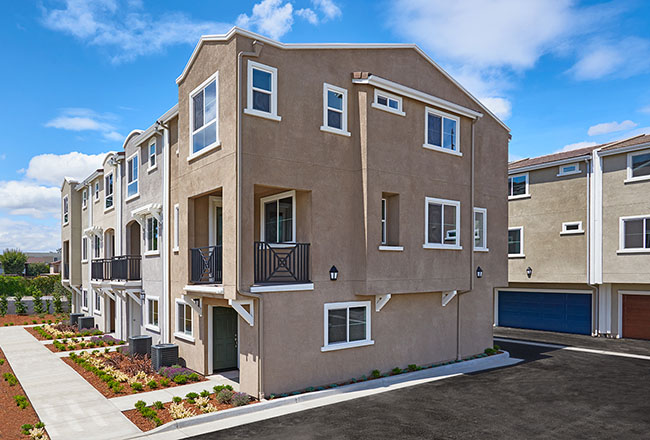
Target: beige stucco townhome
579	242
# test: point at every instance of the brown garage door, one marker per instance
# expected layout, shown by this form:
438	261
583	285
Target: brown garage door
636	316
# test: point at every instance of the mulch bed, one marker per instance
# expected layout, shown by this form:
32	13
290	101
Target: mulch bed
12	417
106	391
98	344
8	320
37	335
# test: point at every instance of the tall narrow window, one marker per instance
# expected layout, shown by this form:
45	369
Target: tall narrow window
152	234
516	242
84	198
480	229
184	319
518	186
442	219
132	176
383	221
84	299
441	131
278	214
66	210
152	155
84	249
176	226
96	191
97	246
108	191
203	115
152	312
335	110
262	91
98	302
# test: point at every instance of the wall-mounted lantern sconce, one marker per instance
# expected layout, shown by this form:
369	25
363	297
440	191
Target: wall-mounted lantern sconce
529	271
334	273
197	301
479	272
143	296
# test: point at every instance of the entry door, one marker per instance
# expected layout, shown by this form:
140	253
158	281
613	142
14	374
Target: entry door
111	315
224	338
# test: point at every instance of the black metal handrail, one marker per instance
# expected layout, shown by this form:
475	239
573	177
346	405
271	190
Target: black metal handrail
123	267
281	263
97	269
206	265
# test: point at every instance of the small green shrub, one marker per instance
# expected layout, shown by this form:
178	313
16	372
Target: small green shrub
21	401
34	321
497	348
137	386
140	404
205	393
10	379
152	384
158	404
191	396
240	399
218	388
26	428
3	305
176	399
396	370
181	379
412	367
490	351
164	382
224	396
375	374
2	361
193	377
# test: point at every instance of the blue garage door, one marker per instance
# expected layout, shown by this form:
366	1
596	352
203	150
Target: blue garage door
558	312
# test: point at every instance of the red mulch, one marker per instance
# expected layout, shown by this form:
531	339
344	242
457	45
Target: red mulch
12	417
52	348
38	336
29	319
103	388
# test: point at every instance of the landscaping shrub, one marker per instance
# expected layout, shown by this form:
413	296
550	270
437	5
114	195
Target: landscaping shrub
181	379
21	308
158	404
240	399
218	388
191	396
164	382
224	396
194	377
3	305
152	384
173	371
21	401
205	393
396	370
375	374
137	386
490	351
2	361
176	399
10	379
412	367
37	299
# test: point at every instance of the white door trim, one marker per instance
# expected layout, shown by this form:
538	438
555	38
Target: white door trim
212	219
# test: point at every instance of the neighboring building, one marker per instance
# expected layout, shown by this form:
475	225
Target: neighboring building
55	267
38	257
327	209
579	242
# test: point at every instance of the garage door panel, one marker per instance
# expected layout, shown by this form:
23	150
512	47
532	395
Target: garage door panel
636	316
560	312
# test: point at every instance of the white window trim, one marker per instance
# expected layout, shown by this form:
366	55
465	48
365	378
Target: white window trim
205	150
621	235
84	260
178	333
65	202
391	248
375	104
569	173
384	221
148	252
107	209
520	196
177	216
344	114
428	146
342	345
148	325
456	204
126	172
521	242
84	200
272	198
483	248
249	110
84	292
630	178
97	190
155	166
97	311
566	231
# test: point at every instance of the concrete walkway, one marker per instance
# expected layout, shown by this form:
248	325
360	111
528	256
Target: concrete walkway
68	405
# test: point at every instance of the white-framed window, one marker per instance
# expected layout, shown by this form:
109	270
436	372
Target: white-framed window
441	224
98	303
262	93
634	234
572	228
441	131
108	191
84	299
153	164
480	229
384	231
97	248
335	110
65	208
638	165
204	112
84	198
177	215
388	102
278	214
346	325
184	320
152	234
518	186
516	241
152	312
84	249
132	176
568	169
97	191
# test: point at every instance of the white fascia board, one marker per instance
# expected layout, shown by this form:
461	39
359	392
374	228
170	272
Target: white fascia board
624	149
555	163
151	130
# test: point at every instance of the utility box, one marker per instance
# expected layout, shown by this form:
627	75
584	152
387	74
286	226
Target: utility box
74	318
140	344
85	322
164	355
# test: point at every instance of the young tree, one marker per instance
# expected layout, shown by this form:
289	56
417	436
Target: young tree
13	261
35	269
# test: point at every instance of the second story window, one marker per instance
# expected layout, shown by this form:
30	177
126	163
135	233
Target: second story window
152	234
132	176
84	198
108	191
203	115
638	165
262	99
480	229
97	248
96	191
441	131
84	249
635	234
567	170
278	214
152	155
388	102
516	242
442	224
66	210
518	186
335	110
383	221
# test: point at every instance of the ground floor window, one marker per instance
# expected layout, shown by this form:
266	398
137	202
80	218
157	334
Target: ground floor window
184	319
152	312
84	299
98	302
347	325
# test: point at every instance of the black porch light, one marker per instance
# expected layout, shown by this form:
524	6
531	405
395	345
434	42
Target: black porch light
334	273
529	271
479	272
143	296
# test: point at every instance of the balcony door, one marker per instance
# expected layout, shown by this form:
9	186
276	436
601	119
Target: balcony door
278	214
109	244
216	222
133	238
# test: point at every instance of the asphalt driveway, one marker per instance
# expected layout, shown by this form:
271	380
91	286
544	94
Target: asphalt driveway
552	394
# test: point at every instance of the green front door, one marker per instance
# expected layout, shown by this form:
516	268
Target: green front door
224	338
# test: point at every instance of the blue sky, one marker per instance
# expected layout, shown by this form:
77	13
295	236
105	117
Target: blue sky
80	75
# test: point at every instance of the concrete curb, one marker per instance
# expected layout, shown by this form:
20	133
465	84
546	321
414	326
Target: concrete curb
372	387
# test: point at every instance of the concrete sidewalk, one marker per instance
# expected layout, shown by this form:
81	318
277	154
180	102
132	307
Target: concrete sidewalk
68	405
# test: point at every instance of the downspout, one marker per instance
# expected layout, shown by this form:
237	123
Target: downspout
165	333
257	48
595	299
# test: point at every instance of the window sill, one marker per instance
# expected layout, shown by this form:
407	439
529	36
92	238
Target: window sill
107	210
636	179
334	131
152	254
133	197
175	250
183	337
282	288
260	114
344	345
633	251
442	150
85	309
84	261
97	313
580	232
387	109
66	224
84	207
481	250
96	199
152	169
203	151
384	247
522	196
569	174
516	256
153	328
442	246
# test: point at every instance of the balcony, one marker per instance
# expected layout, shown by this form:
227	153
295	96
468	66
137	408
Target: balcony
206	265
122	268
286	263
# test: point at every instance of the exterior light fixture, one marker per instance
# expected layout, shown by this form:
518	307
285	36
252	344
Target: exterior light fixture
143	296
479	272
529	271
334	273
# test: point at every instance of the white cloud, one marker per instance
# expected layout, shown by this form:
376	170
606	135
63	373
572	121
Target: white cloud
82	119
3	156
645	109
514	157
328	8
52	168
27	198
610	127
27	236
124	28
269	17
499	106
308	15
576	146
621	58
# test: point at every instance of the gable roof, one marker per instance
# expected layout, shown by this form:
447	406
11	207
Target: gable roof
239	31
